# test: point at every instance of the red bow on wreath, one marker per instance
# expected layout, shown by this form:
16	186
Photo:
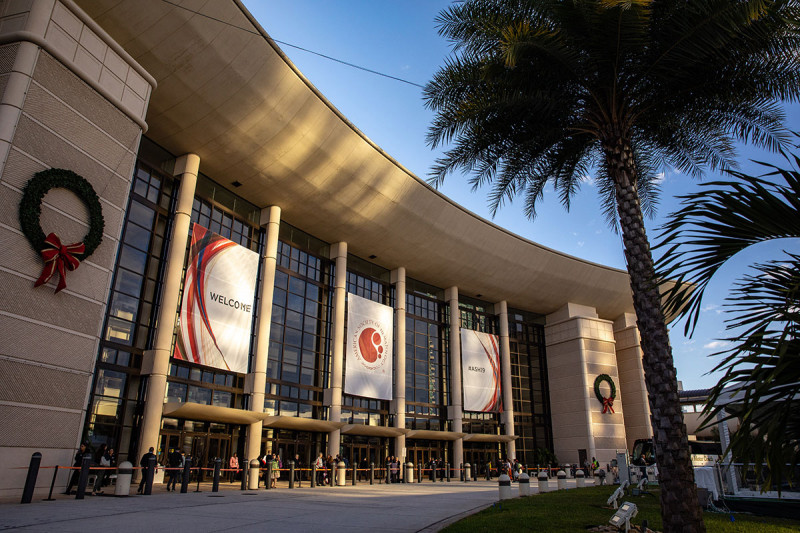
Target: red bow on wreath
58	258
608	404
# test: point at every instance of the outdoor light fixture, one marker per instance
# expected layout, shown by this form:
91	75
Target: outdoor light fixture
623	516
618	494
641	488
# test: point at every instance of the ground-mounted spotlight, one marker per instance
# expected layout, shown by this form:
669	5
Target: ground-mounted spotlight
641	488
618	494
622	518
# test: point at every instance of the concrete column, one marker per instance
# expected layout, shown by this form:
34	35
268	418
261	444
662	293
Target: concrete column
257	377
631	379
399	281
456	398
339	256
501	310
156	361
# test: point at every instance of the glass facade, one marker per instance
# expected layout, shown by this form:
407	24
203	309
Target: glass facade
299	352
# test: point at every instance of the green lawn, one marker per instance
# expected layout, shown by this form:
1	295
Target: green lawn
578	509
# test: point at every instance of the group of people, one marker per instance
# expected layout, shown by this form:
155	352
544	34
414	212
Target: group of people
325	466
103	457
274	463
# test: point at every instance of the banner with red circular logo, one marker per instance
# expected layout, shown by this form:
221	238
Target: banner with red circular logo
480	371
368	351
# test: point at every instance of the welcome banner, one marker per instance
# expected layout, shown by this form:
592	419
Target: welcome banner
480	371
368	351
217	309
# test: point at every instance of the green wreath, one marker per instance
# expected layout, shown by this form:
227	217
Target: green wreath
30	207
608	403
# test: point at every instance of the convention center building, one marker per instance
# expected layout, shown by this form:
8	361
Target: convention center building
202	253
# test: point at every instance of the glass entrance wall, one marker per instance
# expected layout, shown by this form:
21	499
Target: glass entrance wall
299	347
427	367
532	422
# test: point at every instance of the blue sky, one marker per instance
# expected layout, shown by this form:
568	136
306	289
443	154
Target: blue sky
399	38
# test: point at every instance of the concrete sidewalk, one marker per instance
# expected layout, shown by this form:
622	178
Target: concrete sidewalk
363	508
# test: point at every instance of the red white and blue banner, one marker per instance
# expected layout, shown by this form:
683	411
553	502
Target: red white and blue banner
480	371
368	350
217	309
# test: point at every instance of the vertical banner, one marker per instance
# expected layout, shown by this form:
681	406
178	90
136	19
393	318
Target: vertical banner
480	371
217	307
368	351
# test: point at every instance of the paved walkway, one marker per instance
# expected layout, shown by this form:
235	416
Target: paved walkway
417	507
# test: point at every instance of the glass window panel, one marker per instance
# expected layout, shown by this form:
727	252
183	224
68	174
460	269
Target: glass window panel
119	330
123	306
288	408
133	259
281	279
310	324
222	398
279	297
277	314
110	383
305	411
294	319
291	355
176	392
272	369
290	372
199	395
307	376
128	282
296	303
297	286
137	236
141	214
292	337
195	374
152	194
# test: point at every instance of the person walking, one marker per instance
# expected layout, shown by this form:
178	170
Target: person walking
73	480
175	462
275	466
233	464
319	463
297	469
145	464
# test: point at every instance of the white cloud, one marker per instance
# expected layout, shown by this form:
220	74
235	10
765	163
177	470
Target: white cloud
716	345
588	180
711	307
581	243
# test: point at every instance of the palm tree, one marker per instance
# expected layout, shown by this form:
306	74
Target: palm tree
761	384
545	91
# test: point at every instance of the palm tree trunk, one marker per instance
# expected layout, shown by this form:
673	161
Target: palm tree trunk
680	510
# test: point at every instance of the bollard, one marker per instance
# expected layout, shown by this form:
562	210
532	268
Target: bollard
268	478
371	473
291	474
255	470
580	479
149	474
86	463
409	472
244	473
489	471
475	472
30	481
467	472
433	472
419	473
447	471
524	482
461	472
217	467
355	470
504	484
543	485
124	475
562	480
341	474
313	475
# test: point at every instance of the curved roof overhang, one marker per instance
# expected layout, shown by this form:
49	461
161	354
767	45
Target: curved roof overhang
227	93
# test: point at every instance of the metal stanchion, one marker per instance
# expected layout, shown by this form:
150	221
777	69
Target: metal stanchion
244	464
149	474
268	479
461	472
291	474
30	481
84	476
217	467
199	477
419	473
313	475
371	473
187	471
447	471
52	484
489	472
355	473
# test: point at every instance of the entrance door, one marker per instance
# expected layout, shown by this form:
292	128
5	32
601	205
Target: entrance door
218	446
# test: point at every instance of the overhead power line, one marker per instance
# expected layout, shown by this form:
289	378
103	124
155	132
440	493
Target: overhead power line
248	30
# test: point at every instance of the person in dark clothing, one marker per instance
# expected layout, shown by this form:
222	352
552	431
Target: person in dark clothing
175	461
73	480
145	464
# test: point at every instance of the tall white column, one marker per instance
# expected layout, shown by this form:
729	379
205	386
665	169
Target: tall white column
257	378
399	280
456	401
501	310
156	362
339	256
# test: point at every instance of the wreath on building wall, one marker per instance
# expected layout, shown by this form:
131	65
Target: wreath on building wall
58	257
608	403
